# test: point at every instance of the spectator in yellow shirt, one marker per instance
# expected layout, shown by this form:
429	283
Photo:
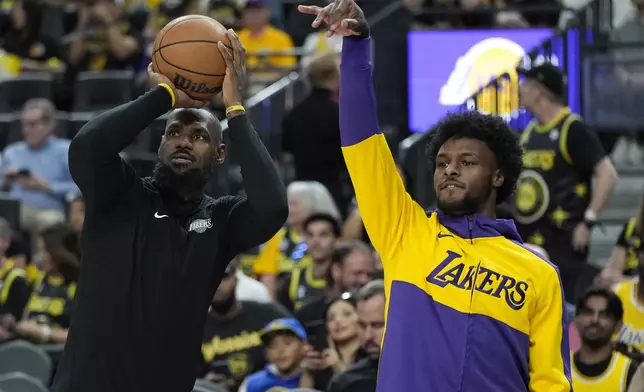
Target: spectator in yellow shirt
258	37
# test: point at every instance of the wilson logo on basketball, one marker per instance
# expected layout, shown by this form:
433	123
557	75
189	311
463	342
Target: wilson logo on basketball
185	84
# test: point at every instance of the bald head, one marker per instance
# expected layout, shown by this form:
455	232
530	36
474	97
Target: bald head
197	117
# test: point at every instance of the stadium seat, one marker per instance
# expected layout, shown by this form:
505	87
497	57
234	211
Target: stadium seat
16	91
15	134
207	386
75	122
96	91
20	382
27	358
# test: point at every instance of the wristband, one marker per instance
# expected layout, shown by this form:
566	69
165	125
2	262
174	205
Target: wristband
46	333
235	108
170	91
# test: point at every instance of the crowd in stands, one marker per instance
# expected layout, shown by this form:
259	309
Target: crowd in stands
304	310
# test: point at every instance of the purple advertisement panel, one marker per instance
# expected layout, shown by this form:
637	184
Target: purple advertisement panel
447	67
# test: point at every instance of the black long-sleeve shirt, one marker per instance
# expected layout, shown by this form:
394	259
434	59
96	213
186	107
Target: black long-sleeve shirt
147	280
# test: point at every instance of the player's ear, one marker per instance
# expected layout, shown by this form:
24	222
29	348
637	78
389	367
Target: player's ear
498	179
220	153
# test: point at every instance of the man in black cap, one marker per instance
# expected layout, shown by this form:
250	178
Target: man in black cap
555	207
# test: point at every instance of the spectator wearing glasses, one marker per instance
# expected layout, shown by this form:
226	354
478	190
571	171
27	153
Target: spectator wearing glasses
232	346
361	376
36	170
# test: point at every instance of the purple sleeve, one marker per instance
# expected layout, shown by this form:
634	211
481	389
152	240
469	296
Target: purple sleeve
358	113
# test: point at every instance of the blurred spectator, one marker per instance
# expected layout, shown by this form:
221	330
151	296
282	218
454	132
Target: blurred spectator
361	376
284	340
232	347
630	339
50	307
310	279
248	289
637	382
623	262
33	50
226	12
36	170
311	134
106	37
287	248
258	37
318	43
598	318
14	288
76	213
333	352
352	265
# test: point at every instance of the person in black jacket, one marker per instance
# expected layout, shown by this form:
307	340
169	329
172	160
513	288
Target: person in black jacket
155	249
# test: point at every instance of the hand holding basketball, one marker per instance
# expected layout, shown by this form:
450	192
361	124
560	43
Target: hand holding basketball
182	100
233	87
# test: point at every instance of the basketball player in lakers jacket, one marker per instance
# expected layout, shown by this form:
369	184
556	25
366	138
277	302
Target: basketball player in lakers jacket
155	249
469	309
596	366
555	207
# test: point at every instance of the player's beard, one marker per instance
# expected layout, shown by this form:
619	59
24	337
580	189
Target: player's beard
596	343
469	204
188	184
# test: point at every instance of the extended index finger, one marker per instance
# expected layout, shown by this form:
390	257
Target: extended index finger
309	9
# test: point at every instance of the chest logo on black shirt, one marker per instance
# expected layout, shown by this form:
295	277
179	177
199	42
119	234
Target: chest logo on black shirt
200	225
532	197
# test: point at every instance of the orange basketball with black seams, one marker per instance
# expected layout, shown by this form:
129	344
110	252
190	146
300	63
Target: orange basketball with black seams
186	52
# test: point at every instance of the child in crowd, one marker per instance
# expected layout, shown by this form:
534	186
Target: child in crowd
284	340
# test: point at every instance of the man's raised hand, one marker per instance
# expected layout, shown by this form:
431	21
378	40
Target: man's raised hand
343	17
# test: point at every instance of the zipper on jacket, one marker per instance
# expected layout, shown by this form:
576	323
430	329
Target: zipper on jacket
469	228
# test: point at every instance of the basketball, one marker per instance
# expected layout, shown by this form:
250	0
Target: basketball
185	51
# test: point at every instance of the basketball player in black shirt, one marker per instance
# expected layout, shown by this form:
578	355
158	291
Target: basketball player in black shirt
155	249
555	205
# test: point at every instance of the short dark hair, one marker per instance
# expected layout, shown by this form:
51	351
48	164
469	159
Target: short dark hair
371	289
494	132
335	225
614	304
343	250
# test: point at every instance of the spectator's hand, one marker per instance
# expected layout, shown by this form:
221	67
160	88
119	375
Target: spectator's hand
84	14
332	358
10	174
342	17
102	13
313	360
580	237
33	182
233	87
182	99
30	329
220	379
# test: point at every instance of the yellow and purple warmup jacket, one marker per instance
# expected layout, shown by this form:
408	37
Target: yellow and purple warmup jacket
468	307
